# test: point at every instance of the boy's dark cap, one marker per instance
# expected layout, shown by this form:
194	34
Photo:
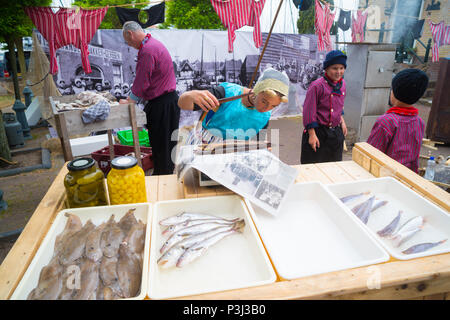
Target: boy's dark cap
409	85
335	57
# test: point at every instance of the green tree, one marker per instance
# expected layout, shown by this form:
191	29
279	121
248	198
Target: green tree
191	14
110	21
305	22
15	24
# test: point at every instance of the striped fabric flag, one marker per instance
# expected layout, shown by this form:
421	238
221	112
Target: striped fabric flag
441	37
322	23
67	26
235	14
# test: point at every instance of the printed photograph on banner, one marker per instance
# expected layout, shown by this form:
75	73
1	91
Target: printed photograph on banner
201	60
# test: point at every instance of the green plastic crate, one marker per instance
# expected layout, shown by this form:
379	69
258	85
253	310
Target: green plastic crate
126	138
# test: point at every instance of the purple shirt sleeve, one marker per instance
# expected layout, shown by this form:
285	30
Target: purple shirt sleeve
144	69
380	136
310	107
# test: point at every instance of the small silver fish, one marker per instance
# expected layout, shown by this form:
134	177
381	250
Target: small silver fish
353	197
422	247
185	216
171	256
175	227
407	230
199	249
187	232
379	205
364	212
390	228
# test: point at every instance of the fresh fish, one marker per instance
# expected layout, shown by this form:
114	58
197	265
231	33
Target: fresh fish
50	282
129	271
353	197
108	271
364	211
185	216
111	238
110	294
187	232
171	256
127	221
73	224
390	228
136	237
74	247
422	247
198	249
89	280
175	227
407	230
93	249
379	205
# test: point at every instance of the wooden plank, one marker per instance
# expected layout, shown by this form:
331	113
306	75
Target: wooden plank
61	129
334	172
356	171
118	118
361	159
21	254
189	187
439	296
169	188
151	185
222	191
299	177
433	272
311	172
134	131
438	195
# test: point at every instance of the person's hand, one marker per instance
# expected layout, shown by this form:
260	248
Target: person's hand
205	100
123	101
344	128
313	140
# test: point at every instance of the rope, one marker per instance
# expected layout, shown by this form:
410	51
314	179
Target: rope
118	5
8	162
30	85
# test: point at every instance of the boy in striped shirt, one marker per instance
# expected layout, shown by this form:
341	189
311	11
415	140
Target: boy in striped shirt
399	132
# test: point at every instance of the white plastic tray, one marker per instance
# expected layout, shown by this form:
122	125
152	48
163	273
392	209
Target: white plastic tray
237	261
97	215
313	233
399	197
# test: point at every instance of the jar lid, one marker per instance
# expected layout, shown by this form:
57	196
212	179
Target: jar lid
123	162
80	164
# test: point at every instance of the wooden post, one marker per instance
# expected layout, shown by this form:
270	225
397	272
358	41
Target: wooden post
111	144
61	128
134	129
5	153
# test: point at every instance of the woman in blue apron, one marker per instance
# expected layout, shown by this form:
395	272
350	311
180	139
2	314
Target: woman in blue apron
239	119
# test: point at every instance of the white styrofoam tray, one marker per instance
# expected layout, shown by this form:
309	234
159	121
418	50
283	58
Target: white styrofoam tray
313	233
399	197
236	261
98	215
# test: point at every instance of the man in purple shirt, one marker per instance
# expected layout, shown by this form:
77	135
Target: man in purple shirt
399	132
325	129
155	83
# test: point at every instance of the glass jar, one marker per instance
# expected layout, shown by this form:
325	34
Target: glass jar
126	181
84	184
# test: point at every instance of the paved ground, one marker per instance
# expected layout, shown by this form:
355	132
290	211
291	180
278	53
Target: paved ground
23	192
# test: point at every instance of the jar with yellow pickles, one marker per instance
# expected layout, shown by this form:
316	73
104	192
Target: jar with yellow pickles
126	181
84	184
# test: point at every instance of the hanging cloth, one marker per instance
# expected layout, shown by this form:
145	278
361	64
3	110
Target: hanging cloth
235	14
373	17
358	26
155	15
67	26
344	20
441	37
322	23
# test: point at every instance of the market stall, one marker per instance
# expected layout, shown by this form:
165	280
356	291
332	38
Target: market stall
417	278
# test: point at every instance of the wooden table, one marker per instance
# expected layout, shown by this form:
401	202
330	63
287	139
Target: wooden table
421	278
